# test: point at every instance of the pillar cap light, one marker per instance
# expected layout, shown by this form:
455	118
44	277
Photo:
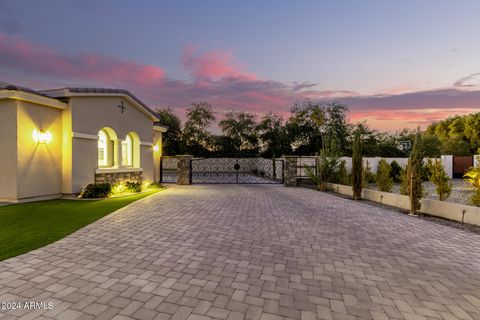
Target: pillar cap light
41	136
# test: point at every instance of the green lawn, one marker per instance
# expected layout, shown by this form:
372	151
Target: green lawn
28	226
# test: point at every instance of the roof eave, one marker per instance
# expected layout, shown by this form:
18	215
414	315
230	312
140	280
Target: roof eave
32	98
160	128
66	92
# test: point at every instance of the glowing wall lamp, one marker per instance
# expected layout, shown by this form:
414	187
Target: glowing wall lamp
41	136
156	148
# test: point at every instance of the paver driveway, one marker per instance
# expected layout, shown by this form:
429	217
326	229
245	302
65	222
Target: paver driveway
254	252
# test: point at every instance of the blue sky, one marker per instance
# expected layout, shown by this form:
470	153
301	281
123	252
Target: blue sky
249	54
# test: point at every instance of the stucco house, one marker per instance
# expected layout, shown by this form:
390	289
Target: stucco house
55	142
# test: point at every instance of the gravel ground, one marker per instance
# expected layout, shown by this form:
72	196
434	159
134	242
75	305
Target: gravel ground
460	191
438	220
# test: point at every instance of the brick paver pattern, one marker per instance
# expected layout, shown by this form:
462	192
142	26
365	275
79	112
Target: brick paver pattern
250	252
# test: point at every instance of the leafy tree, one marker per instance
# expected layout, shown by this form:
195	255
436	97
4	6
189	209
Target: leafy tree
304	128
439	178
357	166
337	127
414	176
311	125
241	128
273	137
172	139
224	146
379	144
472	130
198	140
456	146
384	179
458	135
432	145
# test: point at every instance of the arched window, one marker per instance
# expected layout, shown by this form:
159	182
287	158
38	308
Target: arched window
107	148
102	148
127	151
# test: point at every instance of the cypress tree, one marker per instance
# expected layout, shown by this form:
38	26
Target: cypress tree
414	176
357	168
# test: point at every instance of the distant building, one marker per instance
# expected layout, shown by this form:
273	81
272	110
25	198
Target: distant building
405	145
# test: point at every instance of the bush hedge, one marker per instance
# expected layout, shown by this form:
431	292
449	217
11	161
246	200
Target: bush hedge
96	190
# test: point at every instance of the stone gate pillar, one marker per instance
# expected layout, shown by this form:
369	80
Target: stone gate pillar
183	169
290	173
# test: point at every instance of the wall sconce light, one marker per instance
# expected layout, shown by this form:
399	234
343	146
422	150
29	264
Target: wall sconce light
156	148
41	136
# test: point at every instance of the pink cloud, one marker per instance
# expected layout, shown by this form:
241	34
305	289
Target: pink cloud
212	64
27	57
220	80
398	119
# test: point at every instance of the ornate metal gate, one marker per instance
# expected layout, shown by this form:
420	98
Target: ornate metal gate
168	169
237	170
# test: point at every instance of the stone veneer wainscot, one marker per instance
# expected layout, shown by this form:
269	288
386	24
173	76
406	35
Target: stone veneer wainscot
114	176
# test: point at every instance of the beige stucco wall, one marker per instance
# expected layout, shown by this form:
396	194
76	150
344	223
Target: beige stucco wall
67	150
39	165
8	145
84	163
89	116
147	162
157	141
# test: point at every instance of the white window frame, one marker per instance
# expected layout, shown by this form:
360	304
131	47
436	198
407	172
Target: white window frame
103	144
127	151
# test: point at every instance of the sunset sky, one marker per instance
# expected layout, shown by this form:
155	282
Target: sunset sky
395	63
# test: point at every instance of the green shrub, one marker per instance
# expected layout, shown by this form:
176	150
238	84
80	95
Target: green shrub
343	177
475	198
123	187
425	172
150	185
439	178
472	177
327	166
368	176
384	180
119	188
321	185
133	186
96	190
395	171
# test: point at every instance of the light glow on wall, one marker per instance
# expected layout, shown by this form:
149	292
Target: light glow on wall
156	148
41	136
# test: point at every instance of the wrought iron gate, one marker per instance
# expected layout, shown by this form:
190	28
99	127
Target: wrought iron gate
237	170
168	169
